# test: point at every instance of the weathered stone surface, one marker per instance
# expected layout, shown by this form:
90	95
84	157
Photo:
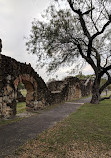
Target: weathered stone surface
1	99
13	73
69	89
9	89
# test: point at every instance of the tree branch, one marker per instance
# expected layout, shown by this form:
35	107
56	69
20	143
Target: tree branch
106	69
103	29
89	60
82	21
87	12
71	5
101	99
84	27
106	84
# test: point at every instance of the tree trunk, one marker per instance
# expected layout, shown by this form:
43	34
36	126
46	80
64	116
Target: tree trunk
95	98
95	92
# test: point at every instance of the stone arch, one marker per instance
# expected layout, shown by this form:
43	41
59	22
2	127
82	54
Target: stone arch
14	72
77	91
30	96
31	86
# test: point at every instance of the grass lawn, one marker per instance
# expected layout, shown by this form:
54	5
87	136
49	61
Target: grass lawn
21	107
84	134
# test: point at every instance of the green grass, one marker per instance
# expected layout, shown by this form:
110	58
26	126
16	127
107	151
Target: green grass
89	123
87	131
9	121
21	107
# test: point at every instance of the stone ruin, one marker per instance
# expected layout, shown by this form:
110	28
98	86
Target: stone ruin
20	97
11	74
38	95
69	89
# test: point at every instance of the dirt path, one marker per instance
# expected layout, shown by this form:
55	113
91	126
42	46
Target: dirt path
16	134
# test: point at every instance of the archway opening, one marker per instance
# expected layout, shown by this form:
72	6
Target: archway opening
30	96
21	98
26	86
77	91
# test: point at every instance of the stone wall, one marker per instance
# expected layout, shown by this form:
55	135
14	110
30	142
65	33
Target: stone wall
86	89
56	85
38	95
13	73
69	89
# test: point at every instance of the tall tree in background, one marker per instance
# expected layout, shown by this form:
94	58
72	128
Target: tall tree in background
74	33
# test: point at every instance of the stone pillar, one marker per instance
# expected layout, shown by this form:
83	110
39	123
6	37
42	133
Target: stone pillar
1	83
1	78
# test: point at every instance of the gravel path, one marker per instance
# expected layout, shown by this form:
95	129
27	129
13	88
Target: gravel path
16	134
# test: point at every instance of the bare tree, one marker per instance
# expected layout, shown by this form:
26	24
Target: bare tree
71	35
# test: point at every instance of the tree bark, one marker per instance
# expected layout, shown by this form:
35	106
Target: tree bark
95	98
95	92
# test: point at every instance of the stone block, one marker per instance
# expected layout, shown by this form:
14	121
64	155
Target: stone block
1	99
5	98
9	89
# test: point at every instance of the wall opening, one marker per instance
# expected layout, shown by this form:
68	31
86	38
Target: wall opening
30	96
21	98
25	95
77	91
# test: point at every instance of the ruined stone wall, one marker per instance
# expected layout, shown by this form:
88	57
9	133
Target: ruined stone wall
66	90
14	72
71	88
86	89
56	85
38	95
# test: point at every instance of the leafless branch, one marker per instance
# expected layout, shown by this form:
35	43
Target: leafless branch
87	12
102	30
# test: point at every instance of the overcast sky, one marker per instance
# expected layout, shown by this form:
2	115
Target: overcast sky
15	24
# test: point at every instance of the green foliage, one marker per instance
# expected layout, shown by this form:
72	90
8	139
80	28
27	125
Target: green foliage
53	39
73	35
81	76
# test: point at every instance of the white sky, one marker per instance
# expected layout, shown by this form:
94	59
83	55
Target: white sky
15	24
